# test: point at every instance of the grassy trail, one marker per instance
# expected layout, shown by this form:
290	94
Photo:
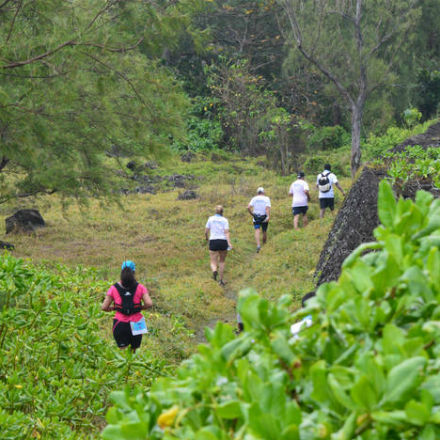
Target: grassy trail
165	237
258	265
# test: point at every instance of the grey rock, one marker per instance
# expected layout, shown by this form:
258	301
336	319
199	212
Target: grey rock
24	220
188	195
7	246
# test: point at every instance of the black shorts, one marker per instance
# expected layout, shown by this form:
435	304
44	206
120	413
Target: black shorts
296	210
262	225
123	336
327	203
218	245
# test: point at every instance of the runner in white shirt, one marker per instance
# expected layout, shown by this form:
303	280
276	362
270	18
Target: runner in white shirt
301	196
326	192
259	209
217	232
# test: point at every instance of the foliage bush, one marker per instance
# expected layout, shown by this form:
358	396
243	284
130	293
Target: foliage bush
56	369
204	130
328	138
367	367
413	164
338	159
375	146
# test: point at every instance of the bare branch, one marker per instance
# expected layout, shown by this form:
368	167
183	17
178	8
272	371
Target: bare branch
120	74
3	163
4	3
298	37
38	57
13	20
113	49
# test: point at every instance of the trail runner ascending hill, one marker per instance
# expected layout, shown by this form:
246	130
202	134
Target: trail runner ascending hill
217	232
300	192
259	209
129	298
324	183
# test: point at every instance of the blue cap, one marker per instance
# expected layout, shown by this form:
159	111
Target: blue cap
129	264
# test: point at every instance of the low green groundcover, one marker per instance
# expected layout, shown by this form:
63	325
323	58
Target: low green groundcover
367	368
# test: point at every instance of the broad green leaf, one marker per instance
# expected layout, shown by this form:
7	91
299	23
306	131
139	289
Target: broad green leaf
347	430
229	410
364	394
417	412
340	395
386	204
402	379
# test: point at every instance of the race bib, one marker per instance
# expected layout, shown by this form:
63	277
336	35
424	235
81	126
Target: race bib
138	328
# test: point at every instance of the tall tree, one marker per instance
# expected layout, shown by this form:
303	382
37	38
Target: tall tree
76	79
353	43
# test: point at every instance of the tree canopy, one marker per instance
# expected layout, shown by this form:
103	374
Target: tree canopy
78	79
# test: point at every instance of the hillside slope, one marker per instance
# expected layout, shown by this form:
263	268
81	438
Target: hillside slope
165	237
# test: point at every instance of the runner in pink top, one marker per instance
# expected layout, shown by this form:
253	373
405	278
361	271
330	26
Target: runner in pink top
113	293
129	298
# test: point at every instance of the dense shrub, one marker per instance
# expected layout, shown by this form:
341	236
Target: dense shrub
375	146
412	164
56	369
366	368
328	138
204	130
338	159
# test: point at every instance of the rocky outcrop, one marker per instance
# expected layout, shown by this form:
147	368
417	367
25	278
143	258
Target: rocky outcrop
7	246
431	138
358	218
188	195
24	220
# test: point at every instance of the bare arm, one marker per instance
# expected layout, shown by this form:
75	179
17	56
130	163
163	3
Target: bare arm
228	238
267	214
250	209
307	194
340	189
107	303
207	234
147	303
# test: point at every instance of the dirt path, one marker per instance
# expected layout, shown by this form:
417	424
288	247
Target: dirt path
228	316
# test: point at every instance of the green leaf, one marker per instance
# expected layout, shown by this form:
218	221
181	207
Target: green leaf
364	394
417	412
340	395
386	204
402	379
229	410
347	430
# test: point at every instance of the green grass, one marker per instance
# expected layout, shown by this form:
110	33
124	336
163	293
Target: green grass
165	238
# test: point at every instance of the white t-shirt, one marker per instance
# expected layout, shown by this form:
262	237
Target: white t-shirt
333	179
298	191
217	226
259	203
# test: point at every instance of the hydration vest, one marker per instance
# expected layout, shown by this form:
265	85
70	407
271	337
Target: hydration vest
324	184
128	306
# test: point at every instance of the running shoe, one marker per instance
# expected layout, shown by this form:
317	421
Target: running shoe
258	249
222	283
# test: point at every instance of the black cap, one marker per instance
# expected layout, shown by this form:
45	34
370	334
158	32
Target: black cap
300	174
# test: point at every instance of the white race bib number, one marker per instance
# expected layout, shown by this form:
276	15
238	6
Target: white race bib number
138	328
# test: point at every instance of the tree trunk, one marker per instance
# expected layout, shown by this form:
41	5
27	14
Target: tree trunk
356	122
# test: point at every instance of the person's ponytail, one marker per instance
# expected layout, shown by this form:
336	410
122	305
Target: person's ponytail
128	279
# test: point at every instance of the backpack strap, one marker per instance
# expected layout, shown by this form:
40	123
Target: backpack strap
133	307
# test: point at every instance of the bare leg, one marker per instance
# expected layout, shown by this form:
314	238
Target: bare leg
295	221
222	255
213	255
321	213
257	237
305	220
264	237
